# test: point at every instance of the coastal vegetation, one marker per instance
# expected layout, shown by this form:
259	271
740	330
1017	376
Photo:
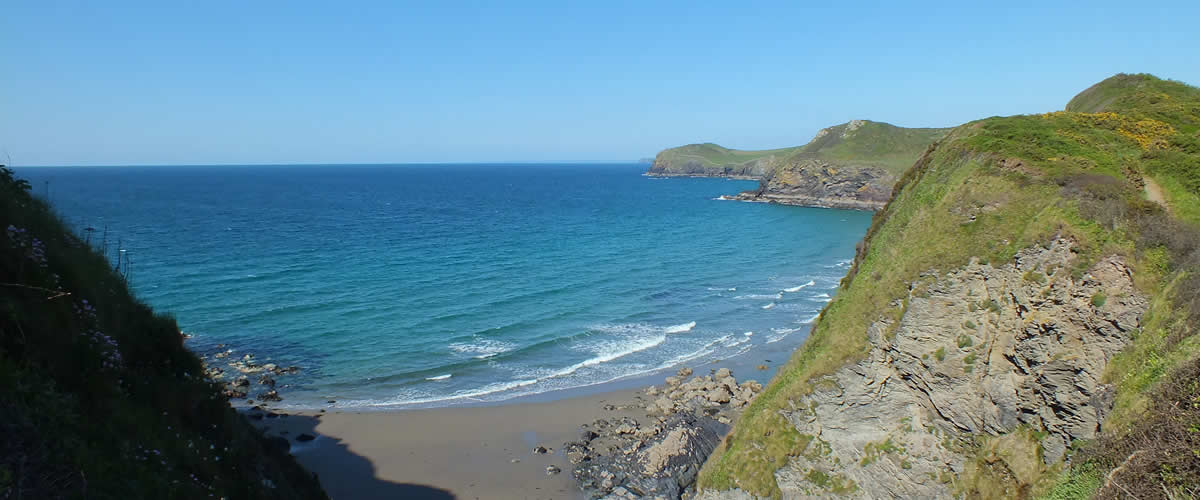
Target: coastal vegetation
853	165
717	155
858	142
99	398
985	192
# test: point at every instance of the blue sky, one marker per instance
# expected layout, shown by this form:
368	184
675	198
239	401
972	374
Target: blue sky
120	83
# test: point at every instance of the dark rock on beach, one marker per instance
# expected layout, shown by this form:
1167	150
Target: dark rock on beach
660	456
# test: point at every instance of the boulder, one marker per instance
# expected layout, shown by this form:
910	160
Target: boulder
719	395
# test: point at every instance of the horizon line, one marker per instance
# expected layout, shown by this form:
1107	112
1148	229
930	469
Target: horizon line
370	164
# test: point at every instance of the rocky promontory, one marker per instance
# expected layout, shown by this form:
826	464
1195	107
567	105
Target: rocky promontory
812	182
852	166
711	160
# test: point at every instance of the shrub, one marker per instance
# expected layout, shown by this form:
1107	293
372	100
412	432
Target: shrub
1161	454
1099	299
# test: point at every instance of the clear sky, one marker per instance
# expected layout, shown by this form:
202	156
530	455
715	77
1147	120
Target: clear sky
161	82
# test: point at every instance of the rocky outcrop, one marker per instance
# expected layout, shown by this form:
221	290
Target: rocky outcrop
660	456
812	182
218	364
995	368
853	165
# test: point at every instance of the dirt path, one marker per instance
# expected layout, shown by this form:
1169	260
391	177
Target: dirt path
1154	193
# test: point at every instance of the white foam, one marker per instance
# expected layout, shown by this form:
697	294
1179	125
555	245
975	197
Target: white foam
686	327
471	394
482	348
821	296
757	296
748	334
812	319
440	377
769	306
683	358
801	287
781	333
606	355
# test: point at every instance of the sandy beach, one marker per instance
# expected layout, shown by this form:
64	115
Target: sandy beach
476	451
483	452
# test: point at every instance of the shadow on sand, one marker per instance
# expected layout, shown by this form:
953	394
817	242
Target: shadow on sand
344	474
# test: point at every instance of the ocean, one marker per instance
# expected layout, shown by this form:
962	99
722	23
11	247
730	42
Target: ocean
431	285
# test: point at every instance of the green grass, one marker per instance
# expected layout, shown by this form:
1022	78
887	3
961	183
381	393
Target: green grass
1064	174
872	144
715	155
98	396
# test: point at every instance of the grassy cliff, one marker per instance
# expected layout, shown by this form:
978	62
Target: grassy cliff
863	142
986	191
98	396
858	142
717	155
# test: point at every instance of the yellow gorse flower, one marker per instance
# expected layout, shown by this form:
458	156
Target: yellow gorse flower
1147	133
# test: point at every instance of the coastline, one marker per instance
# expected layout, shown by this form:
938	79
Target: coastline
478	449
578	447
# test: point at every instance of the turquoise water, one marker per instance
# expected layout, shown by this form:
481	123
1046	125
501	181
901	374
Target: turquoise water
436	284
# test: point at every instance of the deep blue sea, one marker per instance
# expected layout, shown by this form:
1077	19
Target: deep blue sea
397	285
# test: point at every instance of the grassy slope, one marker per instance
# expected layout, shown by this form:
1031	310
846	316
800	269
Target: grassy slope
1076	176
712	154
875	143
98	396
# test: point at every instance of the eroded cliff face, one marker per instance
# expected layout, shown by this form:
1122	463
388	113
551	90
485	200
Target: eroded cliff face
812	182
986	378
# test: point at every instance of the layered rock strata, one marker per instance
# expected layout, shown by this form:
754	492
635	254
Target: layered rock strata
996	367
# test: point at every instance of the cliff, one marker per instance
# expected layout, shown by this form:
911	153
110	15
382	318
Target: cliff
1018	322
853	165
98	396
711	160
